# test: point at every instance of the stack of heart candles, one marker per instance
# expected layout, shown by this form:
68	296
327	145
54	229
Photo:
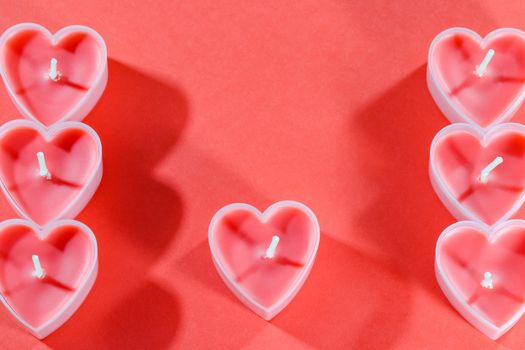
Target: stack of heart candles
477	168
50	167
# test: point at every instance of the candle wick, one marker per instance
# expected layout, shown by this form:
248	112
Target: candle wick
54	74
270	252
43	170
483	178
480	70
487	281
39	272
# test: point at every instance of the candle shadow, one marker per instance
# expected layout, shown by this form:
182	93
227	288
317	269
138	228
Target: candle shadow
232	312
406	217
133	214
139	120
347	283
203	271
340	275
145	319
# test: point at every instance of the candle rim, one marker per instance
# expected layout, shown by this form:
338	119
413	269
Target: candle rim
67	309
264	216
439	94
48	134
439	184
101	77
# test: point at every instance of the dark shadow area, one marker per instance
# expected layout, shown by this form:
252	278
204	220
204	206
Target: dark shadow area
406	218
146	319
344	281
139	120
198	266
203	270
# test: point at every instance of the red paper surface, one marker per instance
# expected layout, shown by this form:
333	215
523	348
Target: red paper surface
211	102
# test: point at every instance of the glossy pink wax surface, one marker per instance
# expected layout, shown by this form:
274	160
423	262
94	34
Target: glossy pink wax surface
26	58
460	158
241	240
65	255
483	99
466	254
71	157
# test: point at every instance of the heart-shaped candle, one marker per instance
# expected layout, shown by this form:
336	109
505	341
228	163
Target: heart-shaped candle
53	78
52	173
264	258
477	80
479	175
45	274
481	271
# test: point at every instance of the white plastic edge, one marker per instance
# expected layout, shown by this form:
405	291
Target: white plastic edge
84	196
445	104
458	210
266	313
473	316
74	302
90	99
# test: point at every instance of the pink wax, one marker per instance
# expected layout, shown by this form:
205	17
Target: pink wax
26	51
239	240
465	253
458	156
73	156
464	96
68	256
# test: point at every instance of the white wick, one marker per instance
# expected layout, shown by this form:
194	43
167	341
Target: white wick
39	272
480	70
43	171
487	281
486	171
53	72
270	252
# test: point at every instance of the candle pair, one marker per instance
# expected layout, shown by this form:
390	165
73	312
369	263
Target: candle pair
50	167
477	168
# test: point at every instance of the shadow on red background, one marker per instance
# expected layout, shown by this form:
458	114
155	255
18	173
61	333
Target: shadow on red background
145	319
340	281
346	281
400	127
396	130
139	120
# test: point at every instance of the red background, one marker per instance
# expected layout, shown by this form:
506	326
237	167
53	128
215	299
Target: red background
213	101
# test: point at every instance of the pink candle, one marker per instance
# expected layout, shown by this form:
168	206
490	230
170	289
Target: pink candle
480	175
45	274
52	173
481	273
477	80
53	78
264	258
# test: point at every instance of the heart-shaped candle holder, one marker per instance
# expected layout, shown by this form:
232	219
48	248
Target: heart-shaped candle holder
480	270
477	80
264	258
45	273
479	174
53	78
70	153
